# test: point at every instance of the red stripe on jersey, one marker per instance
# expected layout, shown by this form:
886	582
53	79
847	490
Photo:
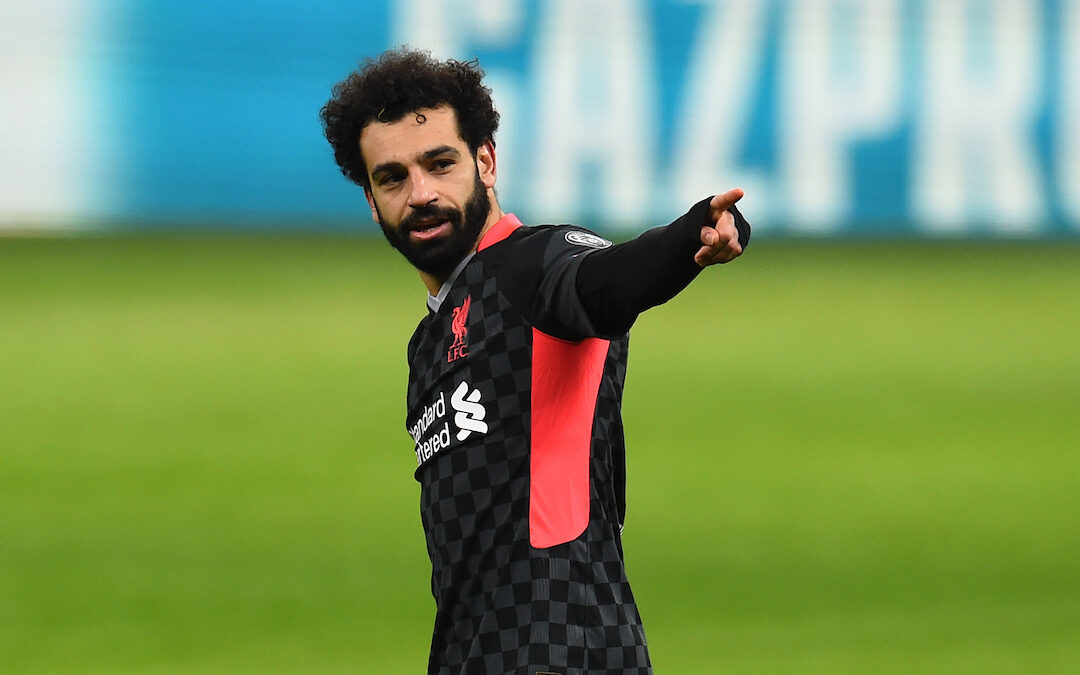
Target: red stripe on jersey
565	382
499	231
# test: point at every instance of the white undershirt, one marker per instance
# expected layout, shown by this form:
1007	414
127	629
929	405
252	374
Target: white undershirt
434	302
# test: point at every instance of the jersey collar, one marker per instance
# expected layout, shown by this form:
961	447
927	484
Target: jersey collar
499	231
434	302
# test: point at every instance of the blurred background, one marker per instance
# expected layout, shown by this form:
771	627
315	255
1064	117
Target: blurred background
838	117
853	450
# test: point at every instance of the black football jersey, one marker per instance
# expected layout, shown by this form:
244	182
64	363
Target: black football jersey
519	444
514	399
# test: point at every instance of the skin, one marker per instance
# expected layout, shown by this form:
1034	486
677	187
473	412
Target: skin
412	164
719	237
422	160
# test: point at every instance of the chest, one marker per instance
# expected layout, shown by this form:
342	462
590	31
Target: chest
469	372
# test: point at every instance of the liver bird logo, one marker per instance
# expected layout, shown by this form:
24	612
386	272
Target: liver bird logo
458	325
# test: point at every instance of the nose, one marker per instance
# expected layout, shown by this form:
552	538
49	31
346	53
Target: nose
421	193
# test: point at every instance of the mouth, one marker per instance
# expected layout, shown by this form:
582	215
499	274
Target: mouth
431	229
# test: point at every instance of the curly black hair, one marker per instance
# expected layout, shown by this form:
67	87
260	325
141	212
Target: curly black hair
398	82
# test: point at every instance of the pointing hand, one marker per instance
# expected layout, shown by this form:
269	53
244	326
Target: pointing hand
719	237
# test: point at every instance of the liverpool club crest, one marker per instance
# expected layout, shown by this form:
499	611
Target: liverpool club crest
458	325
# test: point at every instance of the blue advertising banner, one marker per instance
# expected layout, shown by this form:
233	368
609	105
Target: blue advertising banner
950	117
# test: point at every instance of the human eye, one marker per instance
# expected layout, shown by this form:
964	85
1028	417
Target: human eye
442	165
389	179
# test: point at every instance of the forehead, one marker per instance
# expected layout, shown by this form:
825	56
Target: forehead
405	139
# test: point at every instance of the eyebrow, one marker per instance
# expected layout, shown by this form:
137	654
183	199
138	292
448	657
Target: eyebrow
425	156
439	151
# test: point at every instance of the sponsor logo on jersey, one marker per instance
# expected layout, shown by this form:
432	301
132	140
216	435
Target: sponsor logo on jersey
580	238
432	430
458	325
470	413
431	413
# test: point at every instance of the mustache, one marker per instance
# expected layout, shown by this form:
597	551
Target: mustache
426	214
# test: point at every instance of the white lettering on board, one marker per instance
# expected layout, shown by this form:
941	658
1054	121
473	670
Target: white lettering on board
974	154
595	109
839	82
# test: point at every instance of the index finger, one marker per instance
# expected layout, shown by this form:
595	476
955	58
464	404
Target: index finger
721	203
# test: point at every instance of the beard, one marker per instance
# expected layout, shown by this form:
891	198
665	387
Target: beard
439	257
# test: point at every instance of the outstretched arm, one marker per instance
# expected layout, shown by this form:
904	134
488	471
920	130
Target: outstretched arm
618	283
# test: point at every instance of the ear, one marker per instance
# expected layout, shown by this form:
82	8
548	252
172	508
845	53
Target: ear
371	203
485	163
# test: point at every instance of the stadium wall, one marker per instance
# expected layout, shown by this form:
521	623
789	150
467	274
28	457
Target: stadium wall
839	117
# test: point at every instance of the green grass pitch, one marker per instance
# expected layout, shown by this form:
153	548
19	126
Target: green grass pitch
843	457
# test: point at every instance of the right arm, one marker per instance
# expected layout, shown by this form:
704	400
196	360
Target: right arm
616	284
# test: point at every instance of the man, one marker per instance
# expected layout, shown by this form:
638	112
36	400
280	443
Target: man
516	373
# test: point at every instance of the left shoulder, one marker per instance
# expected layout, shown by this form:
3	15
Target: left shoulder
577	236
573	238
543	242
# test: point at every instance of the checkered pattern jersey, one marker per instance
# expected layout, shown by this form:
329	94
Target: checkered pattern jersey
504	603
